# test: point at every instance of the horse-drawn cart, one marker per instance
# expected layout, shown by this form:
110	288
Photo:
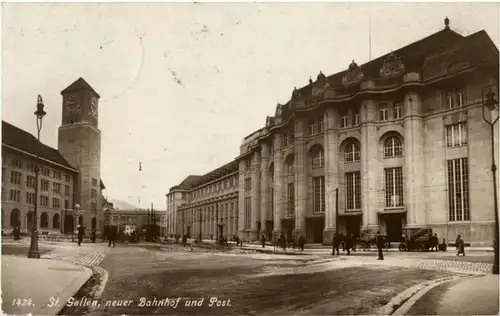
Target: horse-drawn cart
366	240
416	239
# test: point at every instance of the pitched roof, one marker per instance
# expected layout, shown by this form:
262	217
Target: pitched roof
79	84
186	184
20	139
217	173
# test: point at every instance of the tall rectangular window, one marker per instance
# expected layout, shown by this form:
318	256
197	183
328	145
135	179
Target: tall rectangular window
248	212
383	111
44	200
30	198
458	190
93	194
248	184
321	125
456	135
44	185
30	182
344	121
394	187
353	190
319	194
57	188
355	118
15	177
55	203
94	182
312	128
272	203
396	111
291	199
66	190
15	195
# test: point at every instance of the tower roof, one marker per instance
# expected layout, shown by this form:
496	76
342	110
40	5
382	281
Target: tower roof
79	84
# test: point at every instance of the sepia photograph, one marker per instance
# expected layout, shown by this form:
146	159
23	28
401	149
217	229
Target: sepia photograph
232	158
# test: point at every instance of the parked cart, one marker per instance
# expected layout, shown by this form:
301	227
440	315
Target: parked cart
416	239
367	240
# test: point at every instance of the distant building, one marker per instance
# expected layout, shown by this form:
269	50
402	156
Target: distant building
68	175
118	213
201	204
398	142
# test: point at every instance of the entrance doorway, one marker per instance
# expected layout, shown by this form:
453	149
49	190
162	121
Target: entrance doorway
287	226
269	229
394	226
314	229
353	225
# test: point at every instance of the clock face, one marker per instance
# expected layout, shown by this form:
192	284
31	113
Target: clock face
72	103
93	106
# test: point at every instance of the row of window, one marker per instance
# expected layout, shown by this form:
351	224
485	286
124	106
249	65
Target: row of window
15	195
215	187
458	190
15	178
18	163
224	209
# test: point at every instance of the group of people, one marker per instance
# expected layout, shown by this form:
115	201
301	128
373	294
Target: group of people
348	243
16	232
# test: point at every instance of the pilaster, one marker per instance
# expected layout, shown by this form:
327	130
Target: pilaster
414	167
369	164
300	178
242	168
331	119
255	202
264	187
278	184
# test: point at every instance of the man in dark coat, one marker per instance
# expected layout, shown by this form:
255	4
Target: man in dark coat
336	243
263	241
348	243
111	236
81	233
380	244
302	242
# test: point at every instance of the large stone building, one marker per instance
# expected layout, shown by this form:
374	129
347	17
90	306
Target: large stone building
205	205
398	142
68	175
120	213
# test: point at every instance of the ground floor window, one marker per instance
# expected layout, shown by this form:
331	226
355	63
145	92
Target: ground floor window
394	187
319	194
458	190
353	190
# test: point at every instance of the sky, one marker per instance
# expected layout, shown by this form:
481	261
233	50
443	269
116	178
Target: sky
182	84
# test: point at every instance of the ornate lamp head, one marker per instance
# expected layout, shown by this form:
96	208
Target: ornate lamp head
40	113
490	102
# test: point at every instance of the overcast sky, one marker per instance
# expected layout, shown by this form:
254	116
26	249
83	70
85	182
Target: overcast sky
182	84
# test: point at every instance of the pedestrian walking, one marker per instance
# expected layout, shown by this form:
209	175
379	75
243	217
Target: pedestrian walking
348	243
302	242
111	236
380	244
353	242
460	246
263	241
342	241
81	233
93	236
336	244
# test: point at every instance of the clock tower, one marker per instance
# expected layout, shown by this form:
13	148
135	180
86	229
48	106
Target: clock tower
79	142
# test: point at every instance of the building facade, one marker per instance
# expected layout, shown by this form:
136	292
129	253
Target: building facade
205	205
120	214
68	175
398	142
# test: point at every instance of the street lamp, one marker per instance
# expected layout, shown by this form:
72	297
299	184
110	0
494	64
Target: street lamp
34	252
491	105
77	213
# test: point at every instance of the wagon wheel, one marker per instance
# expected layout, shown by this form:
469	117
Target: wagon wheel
422	247
402	247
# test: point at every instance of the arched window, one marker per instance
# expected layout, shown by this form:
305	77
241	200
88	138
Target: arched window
393	147
352	152
318	158
55	221
15	218
44	220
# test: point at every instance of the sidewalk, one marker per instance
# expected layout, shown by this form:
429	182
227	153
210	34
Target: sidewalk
39	280
470	296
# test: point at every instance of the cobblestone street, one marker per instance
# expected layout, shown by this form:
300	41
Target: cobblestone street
89	255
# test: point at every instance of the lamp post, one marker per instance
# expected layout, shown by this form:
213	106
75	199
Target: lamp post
77	213
34	252
491	105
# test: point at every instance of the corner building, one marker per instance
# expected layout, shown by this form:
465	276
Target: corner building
397	142
205	205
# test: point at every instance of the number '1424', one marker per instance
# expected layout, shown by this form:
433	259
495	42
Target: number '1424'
21	302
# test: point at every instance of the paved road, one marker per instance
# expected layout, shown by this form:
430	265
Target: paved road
245	283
